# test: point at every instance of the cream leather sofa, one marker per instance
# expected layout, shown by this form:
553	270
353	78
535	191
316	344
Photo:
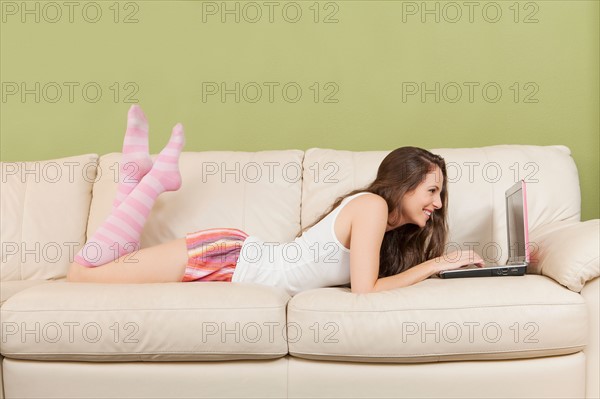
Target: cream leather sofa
530	336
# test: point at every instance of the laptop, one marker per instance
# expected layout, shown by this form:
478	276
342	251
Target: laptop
518	239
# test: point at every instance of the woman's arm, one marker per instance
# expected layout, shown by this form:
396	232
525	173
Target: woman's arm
408	277
428	268
366	236
450	261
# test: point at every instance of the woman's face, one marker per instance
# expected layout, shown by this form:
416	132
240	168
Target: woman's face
419	205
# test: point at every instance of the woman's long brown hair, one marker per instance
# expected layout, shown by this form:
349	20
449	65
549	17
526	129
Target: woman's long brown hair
400	172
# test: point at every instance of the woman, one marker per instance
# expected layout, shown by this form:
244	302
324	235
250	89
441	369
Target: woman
387	235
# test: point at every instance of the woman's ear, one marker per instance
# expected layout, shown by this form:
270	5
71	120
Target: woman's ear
393	217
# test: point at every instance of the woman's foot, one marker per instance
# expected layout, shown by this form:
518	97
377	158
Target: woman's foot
135	161
166	165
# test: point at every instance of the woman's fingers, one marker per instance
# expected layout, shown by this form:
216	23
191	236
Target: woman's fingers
463	258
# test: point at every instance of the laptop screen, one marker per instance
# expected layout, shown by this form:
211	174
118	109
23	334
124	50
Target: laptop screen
516	219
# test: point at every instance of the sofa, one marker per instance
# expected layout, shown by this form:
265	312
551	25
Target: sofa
525	336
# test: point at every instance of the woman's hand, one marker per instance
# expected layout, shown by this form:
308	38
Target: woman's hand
456	260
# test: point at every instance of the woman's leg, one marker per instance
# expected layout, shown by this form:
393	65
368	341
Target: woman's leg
120	233
161	263
135	157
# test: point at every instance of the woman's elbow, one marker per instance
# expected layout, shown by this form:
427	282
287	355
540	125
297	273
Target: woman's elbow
361	290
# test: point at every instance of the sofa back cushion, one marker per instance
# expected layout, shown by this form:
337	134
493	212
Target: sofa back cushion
44	208
257	192
477	180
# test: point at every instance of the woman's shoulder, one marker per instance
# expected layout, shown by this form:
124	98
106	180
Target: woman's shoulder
365	205
367	198
362	210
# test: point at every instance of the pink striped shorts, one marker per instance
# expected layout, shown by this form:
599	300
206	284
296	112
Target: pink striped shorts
213	254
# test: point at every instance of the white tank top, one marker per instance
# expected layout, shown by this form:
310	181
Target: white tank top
316	259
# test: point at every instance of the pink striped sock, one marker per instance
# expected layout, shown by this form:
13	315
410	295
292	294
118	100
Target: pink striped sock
135	161
120	233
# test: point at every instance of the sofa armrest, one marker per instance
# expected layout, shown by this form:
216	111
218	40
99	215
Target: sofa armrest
567	252
591	294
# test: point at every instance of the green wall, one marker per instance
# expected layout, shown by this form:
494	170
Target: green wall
357	63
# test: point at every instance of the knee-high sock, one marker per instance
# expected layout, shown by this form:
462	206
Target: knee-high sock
120	233
135	161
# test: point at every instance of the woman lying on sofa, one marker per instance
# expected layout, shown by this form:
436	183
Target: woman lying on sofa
387	235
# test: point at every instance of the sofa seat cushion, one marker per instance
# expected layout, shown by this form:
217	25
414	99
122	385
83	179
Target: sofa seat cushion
145	322
439	320
10	288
